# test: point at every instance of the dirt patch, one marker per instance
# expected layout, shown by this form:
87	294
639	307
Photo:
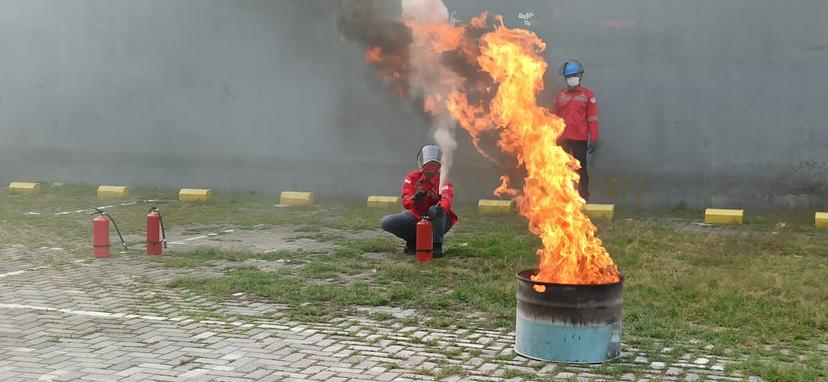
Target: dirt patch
691	226
272	239
707	229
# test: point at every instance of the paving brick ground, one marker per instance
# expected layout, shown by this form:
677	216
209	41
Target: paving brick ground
112	320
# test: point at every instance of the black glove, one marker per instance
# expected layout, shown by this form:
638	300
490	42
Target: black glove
435	211
419	196
592	146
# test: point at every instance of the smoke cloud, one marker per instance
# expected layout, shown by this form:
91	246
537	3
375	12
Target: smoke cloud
426	10
424	57
431	79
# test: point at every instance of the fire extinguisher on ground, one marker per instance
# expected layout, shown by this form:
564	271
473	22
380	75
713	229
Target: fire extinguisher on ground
100	233
425	240
155	228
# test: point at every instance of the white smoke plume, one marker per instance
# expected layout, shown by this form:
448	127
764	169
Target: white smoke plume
426	10
431	78
444	135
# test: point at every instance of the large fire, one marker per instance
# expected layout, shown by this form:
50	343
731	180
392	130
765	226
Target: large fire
500	96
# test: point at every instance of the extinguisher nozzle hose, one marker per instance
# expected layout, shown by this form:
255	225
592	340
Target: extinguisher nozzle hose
161	221
163	231
117	230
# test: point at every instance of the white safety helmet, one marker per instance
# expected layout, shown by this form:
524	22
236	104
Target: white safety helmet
429	153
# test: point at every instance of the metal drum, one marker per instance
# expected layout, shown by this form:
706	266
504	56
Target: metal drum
568	323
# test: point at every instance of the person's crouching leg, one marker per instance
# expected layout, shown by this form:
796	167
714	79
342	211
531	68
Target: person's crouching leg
404	226
441	224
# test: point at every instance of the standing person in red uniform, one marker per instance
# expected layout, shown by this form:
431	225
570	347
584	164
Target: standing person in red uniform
423	196
579	109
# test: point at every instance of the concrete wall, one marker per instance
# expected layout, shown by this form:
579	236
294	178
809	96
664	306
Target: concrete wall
708	102
705	102
253	94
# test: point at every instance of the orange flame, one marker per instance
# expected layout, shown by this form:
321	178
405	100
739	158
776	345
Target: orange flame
504	188
440	37
374	55
392	68
571	252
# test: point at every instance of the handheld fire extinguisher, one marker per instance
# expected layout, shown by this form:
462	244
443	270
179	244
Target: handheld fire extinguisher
155	226
425	241
100	233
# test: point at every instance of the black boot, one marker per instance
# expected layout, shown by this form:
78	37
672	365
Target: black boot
410	248
437	252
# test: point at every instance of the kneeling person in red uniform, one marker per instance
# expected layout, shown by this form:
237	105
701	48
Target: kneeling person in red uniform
423	196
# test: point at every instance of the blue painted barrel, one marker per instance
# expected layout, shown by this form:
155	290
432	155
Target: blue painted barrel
568	323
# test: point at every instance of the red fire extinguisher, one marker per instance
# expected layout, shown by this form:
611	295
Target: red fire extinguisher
100	234
155	233
425	241
100	237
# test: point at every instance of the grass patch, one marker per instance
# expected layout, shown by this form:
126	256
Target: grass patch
452	352
714	287
329	268
203	256
449	371
349	218
426	372
390	366
510	373
505	357
381	316
772	371
355	247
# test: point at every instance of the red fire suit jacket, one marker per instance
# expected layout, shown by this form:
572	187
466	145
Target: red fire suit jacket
415	181
579	109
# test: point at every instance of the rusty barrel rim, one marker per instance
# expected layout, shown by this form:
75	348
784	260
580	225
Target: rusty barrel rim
525	275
